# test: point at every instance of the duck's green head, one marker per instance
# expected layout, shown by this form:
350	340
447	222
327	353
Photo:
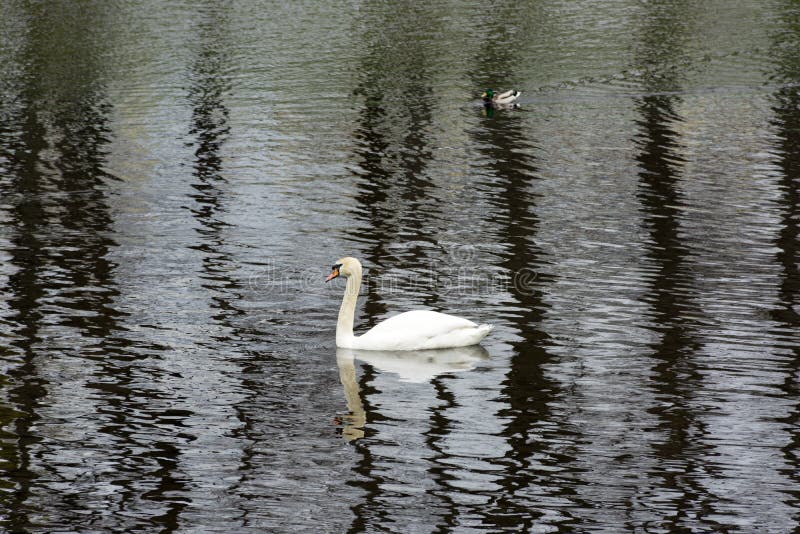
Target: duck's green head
487	95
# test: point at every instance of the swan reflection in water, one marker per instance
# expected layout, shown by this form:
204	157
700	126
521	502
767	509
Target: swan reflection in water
409	366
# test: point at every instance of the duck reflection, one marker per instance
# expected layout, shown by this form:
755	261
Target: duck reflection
410	366
489	109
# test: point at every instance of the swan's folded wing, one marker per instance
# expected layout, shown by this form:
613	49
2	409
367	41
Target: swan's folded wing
418	325
423	322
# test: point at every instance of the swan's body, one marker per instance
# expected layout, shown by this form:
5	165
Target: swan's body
414	330
490	98
420	330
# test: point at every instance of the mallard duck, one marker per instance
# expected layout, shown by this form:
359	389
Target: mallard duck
509	97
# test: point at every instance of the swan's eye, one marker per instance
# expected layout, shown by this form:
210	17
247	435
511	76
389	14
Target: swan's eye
336	267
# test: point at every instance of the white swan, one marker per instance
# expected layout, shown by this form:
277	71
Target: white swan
414	330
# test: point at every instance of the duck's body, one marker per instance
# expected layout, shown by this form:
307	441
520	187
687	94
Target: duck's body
413	330
490	98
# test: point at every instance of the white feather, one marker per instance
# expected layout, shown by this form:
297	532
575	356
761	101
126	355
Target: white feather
422	330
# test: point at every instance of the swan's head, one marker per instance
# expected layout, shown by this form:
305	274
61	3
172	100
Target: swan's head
488	95
344	267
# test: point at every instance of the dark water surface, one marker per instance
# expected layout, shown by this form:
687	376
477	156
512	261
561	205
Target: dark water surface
176	179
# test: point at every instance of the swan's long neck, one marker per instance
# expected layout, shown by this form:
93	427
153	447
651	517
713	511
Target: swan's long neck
344	328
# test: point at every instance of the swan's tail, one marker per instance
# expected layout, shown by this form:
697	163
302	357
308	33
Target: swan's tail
483	331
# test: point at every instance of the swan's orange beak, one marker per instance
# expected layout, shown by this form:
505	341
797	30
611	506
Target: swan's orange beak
334	274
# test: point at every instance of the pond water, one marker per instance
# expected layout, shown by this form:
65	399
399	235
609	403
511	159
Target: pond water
176	179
